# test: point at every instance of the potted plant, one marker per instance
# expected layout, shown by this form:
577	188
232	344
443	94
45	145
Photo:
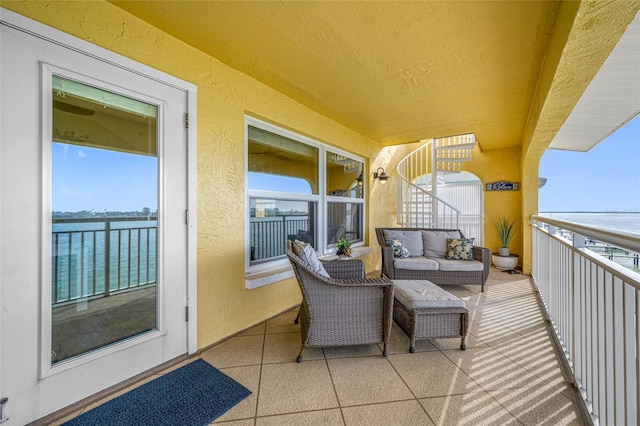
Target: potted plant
343	248
507	228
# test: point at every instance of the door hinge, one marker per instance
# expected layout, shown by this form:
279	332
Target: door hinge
186	216
186	120
186	313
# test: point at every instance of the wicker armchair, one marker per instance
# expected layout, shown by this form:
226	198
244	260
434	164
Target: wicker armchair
346	309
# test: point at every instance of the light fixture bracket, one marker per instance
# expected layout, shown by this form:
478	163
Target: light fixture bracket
380	175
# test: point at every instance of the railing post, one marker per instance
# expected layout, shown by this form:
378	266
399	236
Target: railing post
107	256
284	235
399	201
434	181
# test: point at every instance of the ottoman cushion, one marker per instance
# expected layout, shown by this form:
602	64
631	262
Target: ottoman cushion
420	294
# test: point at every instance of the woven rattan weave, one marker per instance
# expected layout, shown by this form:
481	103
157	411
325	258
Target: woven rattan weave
346	309
438	277
429	323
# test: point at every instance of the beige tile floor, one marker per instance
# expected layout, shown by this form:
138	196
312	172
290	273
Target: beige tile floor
509	373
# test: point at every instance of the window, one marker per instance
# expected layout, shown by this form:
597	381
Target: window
298	188
103	243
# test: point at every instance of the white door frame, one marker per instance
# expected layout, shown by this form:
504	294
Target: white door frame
28	26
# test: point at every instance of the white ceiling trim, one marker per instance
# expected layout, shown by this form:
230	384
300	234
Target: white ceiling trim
610	101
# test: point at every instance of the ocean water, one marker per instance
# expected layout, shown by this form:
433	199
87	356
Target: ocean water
625	222
81	268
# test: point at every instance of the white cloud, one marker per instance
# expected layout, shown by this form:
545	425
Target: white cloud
81	154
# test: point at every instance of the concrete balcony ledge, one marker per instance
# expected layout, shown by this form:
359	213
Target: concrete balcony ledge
356	252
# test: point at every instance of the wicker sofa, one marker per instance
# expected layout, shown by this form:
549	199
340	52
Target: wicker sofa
425	263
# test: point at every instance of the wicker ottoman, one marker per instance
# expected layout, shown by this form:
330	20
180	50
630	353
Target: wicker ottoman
423	311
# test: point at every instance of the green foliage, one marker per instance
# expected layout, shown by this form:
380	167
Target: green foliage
506	230
342	246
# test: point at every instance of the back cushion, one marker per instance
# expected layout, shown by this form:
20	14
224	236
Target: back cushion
412	240
435	242
307	255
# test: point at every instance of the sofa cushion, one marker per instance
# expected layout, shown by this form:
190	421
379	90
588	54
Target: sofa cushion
412	240
435	242
460	248
419	294
399	250
460	265
416	263
307	255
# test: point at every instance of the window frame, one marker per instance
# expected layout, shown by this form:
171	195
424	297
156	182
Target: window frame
321	199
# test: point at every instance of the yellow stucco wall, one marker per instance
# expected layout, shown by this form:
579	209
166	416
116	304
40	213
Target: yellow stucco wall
224	97
494	166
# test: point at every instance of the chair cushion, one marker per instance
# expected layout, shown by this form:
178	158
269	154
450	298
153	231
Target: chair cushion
416	263
412	240
420	294
307	255
460	248
460	265
399	250
435	242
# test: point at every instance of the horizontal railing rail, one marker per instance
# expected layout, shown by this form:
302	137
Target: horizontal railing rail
96	257
592	304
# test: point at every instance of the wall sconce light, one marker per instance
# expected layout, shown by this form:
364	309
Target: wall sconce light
359	180
380	175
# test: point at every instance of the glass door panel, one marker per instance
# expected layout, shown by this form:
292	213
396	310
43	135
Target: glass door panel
104	197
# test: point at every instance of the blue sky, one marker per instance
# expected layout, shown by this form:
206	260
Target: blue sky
606	178
97	179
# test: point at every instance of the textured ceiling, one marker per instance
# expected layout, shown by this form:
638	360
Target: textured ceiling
396	72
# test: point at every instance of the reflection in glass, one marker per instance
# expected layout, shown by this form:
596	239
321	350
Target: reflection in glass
344	176
274	221
344	220
104	170
277	163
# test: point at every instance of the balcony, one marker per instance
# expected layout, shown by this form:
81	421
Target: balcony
103	282
509	374
592	304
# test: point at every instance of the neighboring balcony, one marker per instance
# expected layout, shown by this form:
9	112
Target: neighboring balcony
103	282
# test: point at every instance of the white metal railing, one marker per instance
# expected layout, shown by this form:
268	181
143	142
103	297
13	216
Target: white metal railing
99	256
593	305
452	151
418	202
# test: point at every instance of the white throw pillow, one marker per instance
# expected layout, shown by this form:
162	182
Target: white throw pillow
308	255
412	240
